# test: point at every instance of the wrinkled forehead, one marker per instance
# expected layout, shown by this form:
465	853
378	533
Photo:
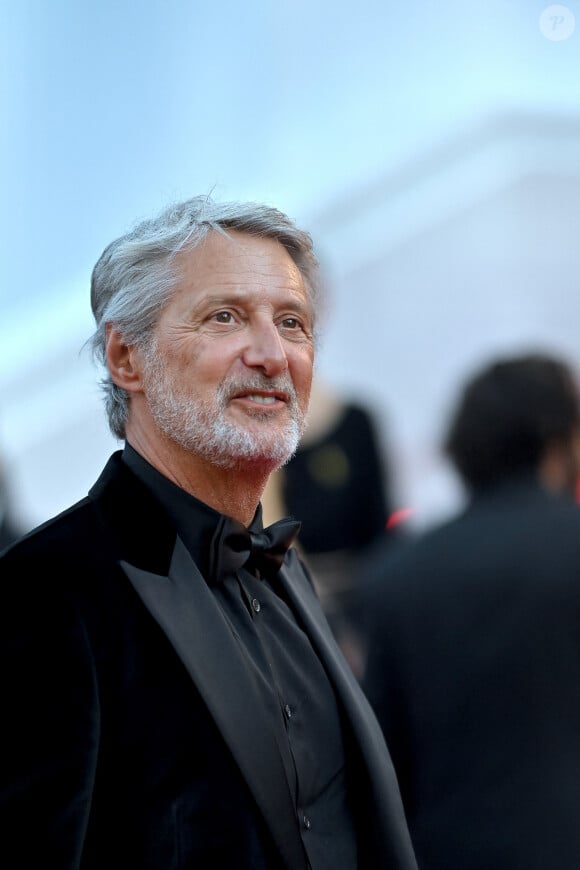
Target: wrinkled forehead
238	258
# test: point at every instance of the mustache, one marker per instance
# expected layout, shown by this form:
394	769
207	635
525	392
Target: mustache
234	385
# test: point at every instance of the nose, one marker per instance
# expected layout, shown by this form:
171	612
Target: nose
265	349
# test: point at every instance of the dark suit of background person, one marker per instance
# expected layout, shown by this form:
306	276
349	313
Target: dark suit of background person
474	656
168	705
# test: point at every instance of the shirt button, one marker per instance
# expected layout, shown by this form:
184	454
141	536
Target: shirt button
287	711
256	605
306	822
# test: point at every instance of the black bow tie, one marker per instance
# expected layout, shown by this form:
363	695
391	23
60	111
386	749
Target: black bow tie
234	546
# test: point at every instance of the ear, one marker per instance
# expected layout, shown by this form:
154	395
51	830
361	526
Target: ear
123	361
560	465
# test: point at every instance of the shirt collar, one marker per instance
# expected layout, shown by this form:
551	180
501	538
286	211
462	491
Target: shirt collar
195	521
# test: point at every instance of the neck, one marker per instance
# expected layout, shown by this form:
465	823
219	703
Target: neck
235	492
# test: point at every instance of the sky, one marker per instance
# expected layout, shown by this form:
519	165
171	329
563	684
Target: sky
111	109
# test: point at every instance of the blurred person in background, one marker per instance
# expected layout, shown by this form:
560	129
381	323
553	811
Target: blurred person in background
173	696
473	664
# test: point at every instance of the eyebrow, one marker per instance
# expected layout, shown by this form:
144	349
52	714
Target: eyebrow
233	297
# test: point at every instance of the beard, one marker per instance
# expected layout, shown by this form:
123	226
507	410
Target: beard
200	425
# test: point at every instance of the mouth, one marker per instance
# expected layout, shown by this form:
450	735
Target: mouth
263	397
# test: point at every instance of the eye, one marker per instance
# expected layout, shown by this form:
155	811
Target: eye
291	323
296	327
223	317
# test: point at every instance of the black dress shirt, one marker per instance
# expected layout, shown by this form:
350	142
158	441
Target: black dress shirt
297	696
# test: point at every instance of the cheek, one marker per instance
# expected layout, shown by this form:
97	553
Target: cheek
187	357
301	371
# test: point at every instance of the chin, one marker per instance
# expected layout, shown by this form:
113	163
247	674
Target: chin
264	463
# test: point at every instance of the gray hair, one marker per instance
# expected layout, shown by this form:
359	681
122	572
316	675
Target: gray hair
135	276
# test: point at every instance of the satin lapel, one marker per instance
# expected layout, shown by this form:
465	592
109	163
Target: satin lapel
185	609
309	611
384	807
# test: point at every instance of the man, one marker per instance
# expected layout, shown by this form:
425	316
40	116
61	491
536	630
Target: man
474	658
174	698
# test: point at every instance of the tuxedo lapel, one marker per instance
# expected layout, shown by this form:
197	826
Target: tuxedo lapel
308	609
185	609
384	810
307	606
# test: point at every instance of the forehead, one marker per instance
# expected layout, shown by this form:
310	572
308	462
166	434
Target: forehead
239	260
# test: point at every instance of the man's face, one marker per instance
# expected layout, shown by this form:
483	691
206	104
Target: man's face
229	372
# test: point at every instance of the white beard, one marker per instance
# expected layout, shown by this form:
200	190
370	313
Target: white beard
201	426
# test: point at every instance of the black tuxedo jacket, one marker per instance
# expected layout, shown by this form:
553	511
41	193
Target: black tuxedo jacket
474	671
133	733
